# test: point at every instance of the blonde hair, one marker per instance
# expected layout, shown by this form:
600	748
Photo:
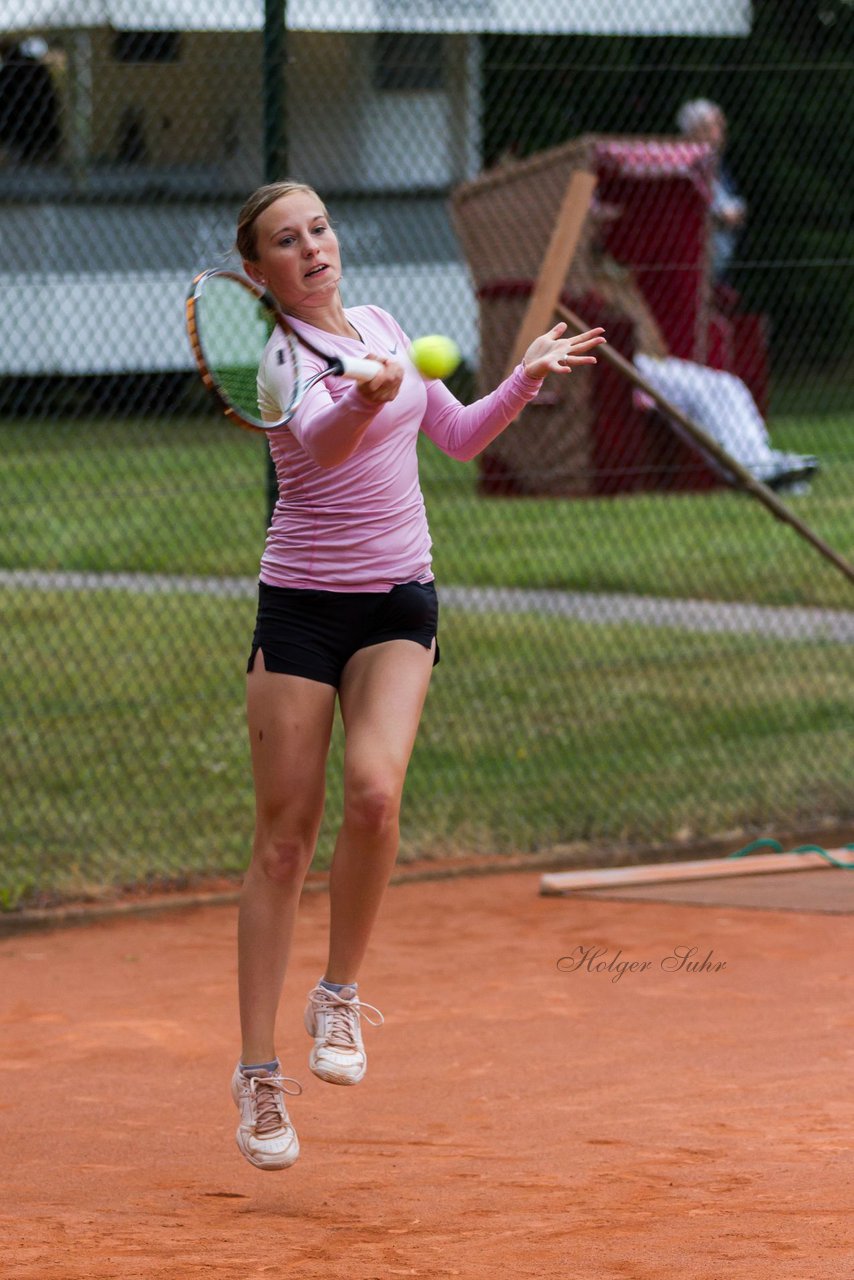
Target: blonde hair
261	199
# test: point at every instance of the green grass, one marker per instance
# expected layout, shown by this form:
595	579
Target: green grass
187	495
720	545
124	746
122	738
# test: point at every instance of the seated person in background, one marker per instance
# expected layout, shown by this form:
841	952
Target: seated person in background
718	402
704	121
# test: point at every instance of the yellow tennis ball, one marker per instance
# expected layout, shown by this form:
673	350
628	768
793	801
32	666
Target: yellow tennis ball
435	355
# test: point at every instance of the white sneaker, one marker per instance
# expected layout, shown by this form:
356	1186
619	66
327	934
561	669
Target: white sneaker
265	1134
338	1056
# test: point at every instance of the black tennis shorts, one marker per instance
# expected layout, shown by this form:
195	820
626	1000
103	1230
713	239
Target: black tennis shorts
315	633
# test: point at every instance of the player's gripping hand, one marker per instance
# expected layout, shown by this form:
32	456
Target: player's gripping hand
386	384
552	353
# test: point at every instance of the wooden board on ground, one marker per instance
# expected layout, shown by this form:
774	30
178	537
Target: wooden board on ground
560	882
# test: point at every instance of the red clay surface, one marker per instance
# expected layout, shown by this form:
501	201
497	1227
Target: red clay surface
516	1119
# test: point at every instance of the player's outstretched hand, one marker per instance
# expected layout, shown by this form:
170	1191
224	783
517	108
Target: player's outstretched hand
386	384
553	353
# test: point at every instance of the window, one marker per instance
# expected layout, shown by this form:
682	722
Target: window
405	61
147	46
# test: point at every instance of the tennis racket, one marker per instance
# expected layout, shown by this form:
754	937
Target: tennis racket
230	321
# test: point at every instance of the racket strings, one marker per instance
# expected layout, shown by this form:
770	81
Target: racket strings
231	325
248	356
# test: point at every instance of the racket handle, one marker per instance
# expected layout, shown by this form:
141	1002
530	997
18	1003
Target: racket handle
359	370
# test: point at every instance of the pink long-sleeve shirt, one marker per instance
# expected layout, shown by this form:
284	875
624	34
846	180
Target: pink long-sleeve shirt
356	521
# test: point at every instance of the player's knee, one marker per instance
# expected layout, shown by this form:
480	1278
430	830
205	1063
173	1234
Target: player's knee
372	806
283	859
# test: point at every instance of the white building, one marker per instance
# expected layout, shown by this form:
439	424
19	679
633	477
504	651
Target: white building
161	104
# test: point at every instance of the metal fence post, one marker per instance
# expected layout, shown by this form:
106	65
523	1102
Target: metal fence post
275	142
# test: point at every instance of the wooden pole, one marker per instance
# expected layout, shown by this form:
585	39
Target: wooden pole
539	314
559	882
710	446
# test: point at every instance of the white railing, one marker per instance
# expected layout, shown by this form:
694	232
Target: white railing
105	323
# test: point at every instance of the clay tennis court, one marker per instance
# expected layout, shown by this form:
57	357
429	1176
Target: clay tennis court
519	1117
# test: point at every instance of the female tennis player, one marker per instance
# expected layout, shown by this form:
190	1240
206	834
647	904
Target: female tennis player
347	609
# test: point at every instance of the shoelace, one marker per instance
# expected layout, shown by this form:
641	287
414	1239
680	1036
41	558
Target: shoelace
344	1018
269	1108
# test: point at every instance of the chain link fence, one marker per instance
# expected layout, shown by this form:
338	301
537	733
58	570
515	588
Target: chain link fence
634	649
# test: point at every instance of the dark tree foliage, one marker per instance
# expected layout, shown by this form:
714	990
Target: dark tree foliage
788	95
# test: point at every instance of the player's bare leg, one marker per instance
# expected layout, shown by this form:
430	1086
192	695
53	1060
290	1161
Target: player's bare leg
290	724
382	696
